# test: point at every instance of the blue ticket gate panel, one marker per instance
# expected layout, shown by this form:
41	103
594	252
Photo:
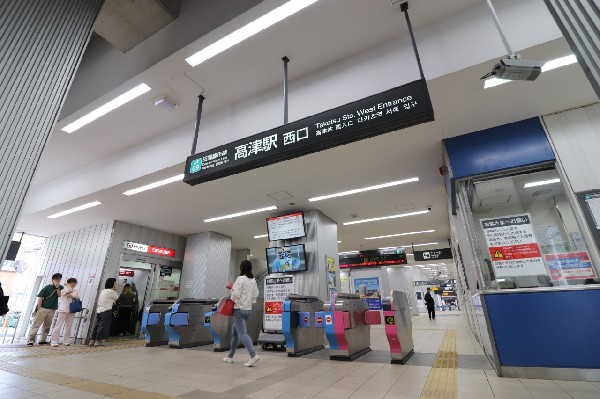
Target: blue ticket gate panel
153	322
221	326
303	323
185	323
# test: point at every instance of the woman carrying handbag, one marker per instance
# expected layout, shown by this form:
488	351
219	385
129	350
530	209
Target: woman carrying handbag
65	315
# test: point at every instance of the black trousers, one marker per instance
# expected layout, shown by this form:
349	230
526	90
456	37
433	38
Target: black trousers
102	326
431	312
124	320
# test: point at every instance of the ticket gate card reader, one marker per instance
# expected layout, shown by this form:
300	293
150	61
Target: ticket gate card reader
221	326
303	323
185	323
153	322
398	327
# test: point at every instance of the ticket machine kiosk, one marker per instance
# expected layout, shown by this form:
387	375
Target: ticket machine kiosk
153	322
221	326
398	327
303	322
185	323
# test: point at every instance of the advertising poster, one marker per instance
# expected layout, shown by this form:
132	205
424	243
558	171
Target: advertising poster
276	290
570	266
125	277
369	290
331	277
513	248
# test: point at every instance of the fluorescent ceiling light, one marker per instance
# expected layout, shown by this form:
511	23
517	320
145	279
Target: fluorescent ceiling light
339	242
541	183
261	236
244	213
348	252
386	217
410	254
249	30
361	190
548	66
154	185
106	108
400	234
76	209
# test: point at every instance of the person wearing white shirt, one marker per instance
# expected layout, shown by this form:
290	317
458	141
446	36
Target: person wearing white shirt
106	300
243	293
64	313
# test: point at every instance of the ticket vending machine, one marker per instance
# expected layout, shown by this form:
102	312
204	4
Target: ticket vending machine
303	322
398	327
185	323
221	326
153	322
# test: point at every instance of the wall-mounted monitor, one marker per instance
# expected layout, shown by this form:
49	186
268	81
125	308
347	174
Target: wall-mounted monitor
286	227
286	259
13	250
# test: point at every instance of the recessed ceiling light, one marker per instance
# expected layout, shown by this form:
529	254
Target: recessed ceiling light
548	66
154	185
361	190
106	108
249	30
76	209
400	234
244	213
348	252
261	236
386	217
541	183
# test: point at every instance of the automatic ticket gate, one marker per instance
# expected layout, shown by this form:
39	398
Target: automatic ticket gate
398	327
153	322
303	324
185	322
221	326
348	326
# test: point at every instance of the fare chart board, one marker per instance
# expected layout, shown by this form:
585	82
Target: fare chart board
394	109
286	227
276	290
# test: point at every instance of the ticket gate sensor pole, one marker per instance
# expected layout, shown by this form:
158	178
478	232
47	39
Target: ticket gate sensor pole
348	326
153	322
303	323
398	328
221	326
185	323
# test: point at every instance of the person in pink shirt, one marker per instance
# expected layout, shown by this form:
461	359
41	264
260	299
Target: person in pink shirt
64	313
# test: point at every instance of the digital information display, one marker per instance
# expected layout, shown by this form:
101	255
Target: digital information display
286	259
372	259
286	227
395	109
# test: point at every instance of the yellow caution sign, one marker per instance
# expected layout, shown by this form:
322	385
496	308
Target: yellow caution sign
498	254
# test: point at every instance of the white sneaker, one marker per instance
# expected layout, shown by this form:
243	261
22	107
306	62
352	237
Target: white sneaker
66	344
228	360
252	361
54	345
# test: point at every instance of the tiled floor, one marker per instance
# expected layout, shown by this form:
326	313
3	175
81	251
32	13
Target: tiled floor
448	363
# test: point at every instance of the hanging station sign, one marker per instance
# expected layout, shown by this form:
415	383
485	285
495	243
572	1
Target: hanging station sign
394	109
434	254
149	249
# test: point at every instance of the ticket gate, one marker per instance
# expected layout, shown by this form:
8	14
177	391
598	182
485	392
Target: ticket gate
221	326
348	326
153	322
185	323
398	327
303	324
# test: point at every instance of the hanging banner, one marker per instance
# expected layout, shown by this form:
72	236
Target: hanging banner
331	276
369	290
392	110
276	290
570	266
512	245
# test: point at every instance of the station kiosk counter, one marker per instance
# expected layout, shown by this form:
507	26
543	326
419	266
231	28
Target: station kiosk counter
398	327
221	326
153	322
185	323
303	324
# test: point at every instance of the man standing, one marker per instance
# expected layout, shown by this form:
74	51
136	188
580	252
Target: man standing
430	302
47	303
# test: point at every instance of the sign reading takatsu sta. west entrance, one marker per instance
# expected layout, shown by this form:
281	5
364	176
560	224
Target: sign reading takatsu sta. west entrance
395	109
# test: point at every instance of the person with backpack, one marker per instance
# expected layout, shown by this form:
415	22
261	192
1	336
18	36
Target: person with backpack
47	303
65	316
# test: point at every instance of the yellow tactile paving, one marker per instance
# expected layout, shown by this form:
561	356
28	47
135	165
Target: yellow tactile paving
441	382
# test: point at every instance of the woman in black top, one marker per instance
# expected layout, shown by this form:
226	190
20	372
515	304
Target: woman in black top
126	303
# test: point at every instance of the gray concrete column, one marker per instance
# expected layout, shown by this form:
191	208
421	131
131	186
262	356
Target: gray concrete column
206	266
41	45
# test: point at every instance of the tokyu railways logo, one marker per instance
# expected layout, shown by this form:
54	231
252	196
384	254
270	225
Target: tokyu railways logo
196	165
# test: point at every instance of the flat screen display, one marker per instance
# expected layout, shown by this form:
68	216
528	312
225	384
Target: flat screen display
286	227
286	259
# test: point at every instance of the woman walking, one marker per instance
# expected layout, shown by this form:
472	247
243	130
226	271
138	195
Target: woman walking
64	314
126	302
106	300
243	293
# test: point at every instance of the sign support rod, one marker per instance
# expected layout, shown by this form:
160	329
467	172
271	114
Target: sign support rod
285	60
404	9
198	118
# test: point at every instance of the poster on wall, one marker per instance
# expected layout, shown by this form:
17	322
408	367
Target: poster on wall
513	248
331	276
570	266
369	290
125	277
276	290
345	282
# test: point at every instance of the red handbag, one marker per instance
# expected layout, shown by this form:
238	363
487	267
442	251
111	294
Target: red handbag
227	308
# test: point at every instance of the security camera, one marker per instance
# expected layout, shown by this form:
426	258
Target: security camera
514	68
429	208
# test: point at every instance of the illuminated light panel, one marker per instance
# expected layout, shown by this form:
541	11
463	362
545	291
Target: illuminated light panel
362	190
401	234
261	236
76	209
548	66
541	183
269	19
106	108
402	215
154	185
244	213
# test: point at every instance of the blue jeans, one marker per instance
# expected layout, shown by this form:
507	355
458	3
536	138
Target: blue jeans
240	332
